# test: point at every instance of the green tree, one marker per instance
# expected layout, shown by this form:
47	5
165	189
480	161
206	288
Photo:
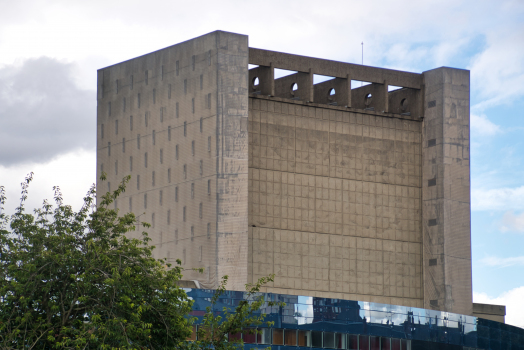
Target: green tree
75	280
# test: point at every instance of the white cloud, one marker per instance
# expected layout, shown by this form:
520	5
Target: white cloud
481	125
514	301
512	222
497	199
73	172
494	261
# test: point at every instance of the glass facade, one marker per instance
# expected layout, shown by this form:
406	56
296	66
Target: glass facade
323	323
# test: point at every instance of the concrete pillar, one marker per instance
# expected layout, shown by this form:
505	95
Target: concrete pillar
446	218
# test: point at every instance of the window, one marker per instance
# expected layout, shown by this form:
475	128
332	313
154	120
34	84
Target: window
154	96
201	167
169	91
176	236
176	67
209	143
160	197
131	163
138	100
185	129
169	217
200	210
200	253
193	62
169	133
131	83
130	204
116	167
184	214
109	108
169	175
109	148
153	178
192	148
209	101
176	110
176	194
116	127
185	86
146	117
201	81
154	137
208	230
147	77
185	172
184	256
192	233
193	105
102	130
138	141
124	104
208	186
193	190
161	114
109	187
176	152
161	156
209	58
153	223
131	123
201	124
145	160
124	145
138	182
145	200
102	167
162	73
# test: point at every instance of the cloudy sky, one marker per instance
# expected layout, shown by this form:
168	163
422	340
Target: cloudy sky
50	51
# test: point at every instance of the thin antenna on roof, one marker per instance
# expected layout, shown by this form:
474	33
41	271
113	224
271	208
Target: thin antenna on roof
362	58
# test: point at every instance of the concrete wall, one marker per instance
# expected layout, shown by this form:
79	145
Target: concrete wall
194	99
490	312
335	201
446	209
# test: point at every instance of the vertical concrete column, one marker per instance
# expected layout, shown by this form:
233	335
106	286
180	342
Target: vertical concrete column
446	225
385	93
232	160
347	94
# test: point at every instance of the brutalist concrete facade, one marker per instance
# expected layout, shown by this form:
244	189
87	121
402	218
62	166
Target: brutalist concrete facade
353	193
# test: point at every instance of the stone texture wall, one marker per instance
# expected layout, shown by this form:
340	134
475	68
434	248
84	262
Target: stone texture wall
446	191
172	120
335	201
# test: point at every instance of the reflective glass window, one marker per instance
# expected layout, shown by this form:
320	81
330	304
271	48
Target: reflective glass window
340	341
329	340
352	342
374	343
304	338
278	337
249	336
264	337
385	343
234	336
316	339
363	342
290	337
395	344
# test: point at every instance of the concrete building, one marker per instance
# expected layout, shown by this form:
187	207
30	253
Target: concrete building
341	190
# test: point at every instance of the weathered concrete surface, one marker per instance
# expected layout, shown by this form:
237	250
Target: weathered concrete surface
490	312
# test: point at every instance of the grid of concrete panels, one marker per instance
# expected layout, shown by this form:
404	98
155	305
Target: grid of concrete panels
348	267
320	204
160	129
320	141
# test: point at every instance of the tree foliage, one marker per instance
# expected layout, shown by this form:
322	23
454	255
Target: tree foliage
75	280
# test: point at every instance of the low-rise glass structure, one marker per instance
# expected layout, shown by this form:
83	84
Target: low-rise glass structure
322	323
